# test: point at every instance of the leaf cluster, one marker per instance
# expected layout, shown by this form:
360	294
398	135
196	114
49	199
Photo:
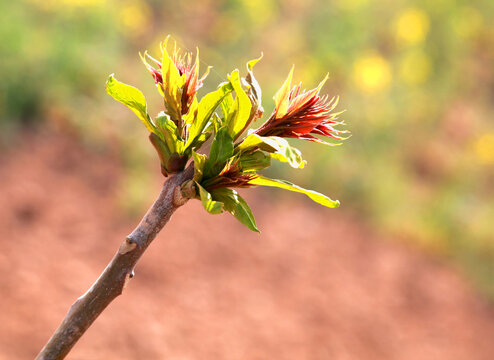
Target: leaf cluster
186	123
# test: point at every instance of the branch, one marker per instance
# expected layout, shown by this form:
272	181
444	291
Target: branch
119	271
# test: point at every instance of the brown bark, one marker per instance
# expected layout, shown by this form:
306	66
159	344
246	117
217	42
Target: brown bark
119	271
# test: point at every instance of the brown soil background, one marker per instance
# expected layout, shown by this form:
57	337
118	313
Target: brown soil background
317	284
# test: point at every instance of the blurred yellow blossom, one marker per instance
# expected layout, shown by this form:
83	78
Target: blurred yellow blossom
411	26
372	73
484	149
415	67
468	22
134	18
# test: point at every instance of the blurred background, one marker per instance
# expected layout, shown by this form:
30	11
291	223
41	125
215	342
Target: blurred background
403	270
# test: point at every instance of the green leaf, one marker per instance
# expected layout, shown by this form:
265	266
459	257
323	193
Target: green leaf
278	147
235	205
199	162
240	112
167	130
221	150
132	98
163	152
161	147
255	161
205	110
283	184
211	206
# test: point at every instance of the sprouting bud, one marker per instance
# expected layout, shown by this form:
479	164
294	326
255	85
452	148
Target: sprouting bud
177	78
231	176
302	114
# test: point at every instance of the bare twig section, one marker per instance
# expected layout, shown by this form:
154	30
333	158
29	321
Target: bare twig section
119	271
178	197
126	246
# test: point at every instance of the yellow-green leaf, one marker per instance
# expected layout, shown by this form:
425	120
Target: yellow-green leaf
281	98
172	84
241	108
283	184
192	113
254	91
251	63
199	162
205	110
226	106
255	161
278	148
131	97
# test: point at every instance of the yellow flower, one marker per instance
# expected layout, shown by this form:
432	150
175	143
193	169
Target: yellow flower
411	26
372	73
484	149
134	18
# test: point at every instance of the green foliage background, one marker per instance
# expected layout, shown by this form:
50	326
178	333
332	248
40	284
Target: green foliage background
416	78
